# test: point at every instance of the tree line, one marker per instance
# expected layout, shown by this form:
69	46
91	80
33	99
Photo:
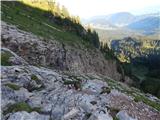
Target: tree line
61	16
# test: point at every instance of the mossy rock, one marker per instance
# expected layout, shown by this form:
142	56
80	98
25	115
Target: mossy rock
13	86
5	56
21	106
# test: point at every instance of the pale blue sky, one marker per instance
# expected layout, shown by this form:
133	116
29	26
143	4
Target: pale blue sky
89	8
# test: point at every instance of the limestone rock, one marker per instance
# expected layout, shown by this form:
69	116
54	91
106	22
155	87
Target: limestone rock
122	115
27	116
71	114
94	86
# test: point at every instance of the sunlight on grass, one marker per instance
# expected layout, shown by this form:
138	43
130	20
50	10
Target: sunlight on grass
41	4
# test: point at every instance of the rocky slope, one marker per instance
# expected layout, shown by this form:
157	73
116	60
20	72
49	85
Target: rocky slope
38	93
53	54
37	86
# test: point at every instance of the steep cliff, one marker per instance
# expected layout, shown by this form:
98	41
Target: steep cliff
53	54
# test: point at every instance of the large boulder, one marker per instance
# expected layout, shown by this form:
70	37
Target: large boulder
94	86
123	115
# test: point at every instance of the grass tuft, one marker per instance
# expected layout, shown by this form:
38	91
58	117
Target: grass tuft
5	58
21	106
13	86
35	78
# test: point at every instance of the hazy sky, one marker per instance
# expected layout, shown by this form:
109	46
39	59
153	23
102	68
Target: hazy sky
89	8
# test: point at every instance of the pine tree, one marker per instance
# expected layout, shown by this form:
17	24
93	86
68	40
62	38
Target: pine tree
77	19
57	10
65	12
52	6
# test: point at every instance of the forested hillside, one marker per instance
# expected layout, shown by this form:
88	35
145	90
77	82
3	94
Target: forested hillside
141	61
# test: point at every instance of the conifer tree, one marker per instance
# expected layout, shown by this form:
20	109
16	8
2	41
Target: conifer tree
52	6
57	10
77	19
65	12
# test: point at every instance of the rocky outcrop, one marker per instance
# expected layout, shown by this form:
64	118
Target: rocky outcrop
38	93
56	55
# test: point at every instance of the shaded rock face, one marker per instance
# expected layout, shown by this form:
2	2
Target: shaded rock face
53	54
64	97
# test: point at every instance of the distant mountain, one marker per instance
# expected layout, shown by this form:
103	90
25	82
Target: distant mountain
141	17
146	24
100	22
121	19
149	25
140	59
112	20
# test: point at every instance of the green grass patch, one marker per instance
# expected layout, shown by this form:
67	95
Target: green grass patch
5	58
21	106
13	86
34	77
138	98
